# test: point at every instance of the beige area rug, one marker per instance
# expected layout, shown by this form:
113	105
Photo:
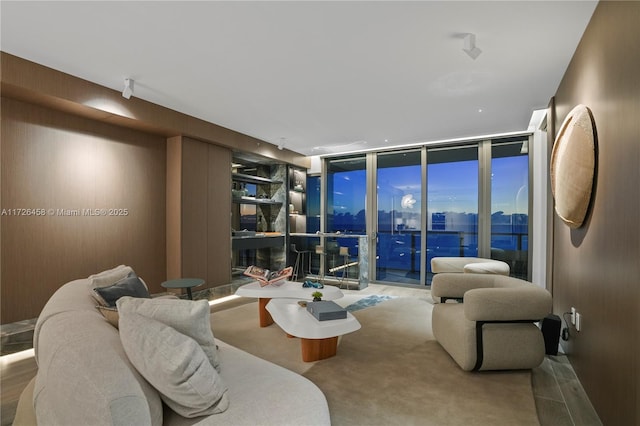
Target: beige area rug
391	371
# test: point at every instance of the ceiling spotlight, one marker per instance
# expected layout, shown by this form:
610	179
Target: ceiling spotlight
281	144
128	88
470	46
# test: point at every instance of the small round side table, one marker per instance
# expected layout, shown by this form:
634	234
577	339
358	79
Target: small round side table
187	283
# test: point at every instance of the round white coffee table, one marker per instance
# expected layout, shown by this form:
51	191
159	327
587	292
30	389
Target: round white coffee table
287	290
318	339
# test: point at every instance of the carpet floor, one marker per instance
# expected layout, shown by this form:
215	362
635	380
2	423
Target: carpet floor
391	371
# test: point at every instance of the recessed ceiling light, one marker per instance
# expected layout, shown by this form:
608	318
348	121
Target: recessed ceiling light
479	109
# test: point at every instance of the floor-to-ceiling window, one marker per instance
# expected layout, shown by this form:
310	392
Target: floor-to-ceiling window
399	221
346	195
467	199
345	210
313	203
452	202
510	204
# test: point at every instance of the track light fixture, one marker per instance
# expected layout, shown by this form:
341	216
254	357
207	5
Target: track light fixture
128	88
470	46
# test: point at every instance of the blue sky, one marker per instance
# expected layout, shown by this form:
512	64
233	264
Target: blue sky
453	186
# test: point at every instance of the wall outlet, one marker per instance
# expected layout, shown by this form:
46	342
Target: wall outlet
578	321
573	316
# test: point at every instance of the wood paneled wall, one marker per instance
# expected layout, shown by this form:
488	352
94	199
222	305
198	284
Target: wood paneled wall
596	268
63	163
34	83
199	211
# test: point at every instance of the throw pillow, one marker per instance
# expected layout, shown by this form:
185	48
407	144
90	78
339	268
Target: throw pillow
110	276
110	314
174	364
189	317
131	285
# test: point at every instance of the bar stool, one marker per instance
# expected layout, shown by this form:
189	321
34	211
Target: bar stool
299	262
344	252
321	266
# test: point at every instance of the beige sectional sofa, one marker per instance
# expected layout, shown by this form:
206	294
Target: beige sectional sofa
86	378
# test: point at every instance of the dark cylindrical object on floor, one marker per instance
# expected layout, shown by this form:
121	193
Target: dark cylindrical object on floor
551	333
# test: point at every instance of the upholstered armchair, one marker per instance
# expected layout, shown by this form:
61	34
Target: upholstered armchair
494	327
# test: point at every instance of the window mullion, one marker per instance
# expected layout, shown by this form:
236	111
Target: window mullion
484	199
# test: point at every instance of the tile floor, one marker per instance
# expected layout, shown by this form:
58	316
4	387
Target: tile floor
560	398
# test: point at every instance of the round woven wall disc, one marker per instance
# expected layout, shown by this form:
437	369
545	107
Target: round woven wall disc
572	166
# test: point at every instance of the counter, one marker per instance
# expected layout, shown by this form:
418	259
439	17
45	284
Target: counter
257	241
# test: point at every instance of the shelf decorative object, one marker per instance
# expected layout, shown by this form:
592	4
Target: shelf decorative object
297	200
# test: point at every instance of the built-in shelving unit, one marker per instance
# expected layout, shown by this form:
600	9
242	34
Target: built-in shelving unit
297	200
258	216
297	208
241	177
240	195
254	200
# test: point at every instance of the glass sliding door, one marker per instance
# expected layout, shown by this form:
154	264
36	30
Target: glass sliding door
345	213
313	204
399	205
466	200
510	204
452	202
346	195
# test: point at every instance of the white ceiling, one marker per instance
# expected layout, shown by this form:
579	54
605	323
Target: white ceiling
322	76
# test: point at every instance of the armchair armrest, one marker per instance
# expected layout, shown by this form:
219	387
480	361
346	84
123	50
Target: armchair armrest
526	302
452	285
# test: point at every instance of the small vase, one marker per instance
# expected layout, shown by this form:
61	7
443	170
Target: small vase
317	299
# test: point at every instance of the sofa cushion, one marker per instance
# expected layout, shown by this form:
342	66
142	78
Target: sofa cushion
174	364
491	267
130	285
110	313
256	398
191	318
476	265
85	377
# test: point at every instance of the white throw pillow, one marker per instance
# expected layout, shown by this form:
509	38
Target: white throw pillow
189	317
110	276
174	364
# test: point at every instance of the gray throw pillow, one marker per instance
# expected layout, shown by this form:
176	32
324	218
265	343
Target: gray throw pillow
130	285
189	317
174	364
